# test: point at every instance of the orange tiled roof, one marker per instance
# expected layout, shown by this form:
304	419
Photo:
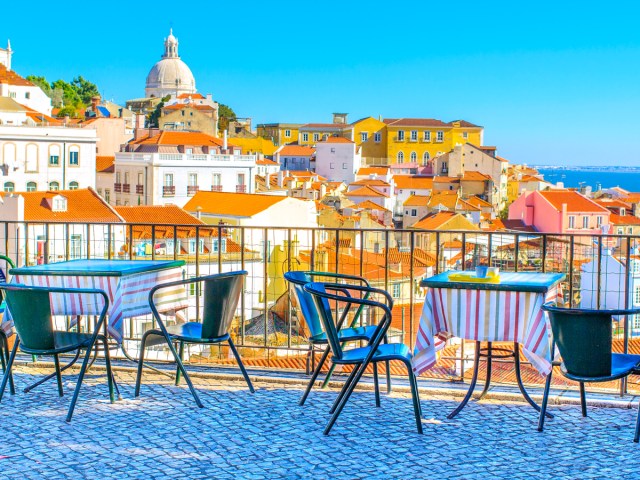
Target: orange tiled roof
494	225
365	191
368	204
417	201
477	202
194	96
296	150
266	161
12	78
83	205
180	106
415	122
231	204
158	215
443	179
473	176
375	170
180	138
105	164
410	182
375	182
323	125
613	203
433	221
575	202
624	219
337	140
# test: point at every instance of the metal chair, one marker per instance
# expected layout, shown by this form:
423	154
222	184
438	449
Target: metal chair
360	357
221	295
583	338
4	340
30	309
307	308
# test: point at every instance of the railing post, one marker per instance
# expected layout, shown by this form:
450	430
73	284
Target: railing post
265	256
516	253
412	283
66	241
109	231
386	260
88	241
46	244
627	284
572	246
242	300
288	314
153	242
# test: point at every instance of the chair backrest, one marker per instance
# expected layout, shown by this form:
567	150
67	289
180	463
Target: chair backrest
318	294
30	309
583	338
221	295
305	301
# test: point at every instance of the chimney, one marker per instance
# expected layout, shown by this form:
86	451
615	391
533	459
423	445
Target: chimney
95	101
280	178
224	140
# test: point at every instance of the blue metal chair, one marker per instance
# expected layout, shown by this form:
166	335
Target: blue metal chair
584	341
4	340
30	309
221	295
360	357
307	308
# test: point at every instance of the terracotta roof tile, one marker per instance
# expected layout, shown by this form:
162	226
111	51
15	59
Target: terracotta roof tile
417	201
231	204
180	138
623	219
12	78
337	140
434	220
105	164
369	205
375	170
157	214
473	176
297	151
194	96
415	122
575	202
413	182
374	182
365	191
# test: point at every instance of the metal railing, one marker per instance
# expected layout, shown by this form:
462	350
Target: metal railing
598	268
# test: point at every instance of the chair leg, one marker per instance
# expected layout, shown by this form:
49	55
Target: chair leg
637	435
181	355
56	361
110	380
7	373
241	365
376	386
388	370
583	400
143	343
487	381
415	397
545	400
4	357
344	389
345	397
83	370
314	376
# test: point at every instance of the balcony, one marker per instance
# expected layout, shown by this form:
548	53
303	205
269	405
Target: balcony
168	191
192	190
241	189
399	139
140	189
216	188
117	187
126	188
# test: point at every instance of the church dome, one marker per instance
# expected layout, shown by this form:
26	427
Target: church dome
170	76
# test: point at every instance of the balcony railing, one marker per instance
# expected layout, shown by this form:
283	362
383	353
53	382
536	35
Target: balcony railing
140	189
191	190
241	189
168	191
598	268
216	188
117	187
126	188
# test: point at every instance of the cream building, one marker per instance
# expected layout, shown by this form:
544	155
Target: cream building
170	76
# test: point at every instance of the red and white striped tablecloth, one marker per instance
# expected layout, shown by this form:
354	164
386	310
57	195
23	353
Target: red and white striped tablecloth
128	295
484	315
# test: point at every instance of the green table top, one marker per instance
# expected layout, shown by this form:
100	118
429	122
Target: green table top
97	267
509	281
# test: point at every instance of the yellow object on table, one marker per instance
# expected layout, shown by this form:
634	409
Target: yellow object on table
472	277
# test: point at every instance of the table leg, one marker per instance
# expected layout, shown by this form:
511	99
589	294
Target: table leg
474	379
487	381
516	355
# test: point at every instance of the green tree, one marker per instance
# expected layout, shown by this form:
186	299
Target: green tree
225	115
85	89
42	83
154	116
70	95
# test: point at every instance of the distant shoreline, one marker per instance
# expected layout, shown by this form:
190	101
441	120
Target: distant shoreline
587	168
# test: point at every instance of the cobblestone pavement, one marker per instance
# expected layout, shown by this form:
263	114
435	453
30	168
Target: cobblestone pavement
267	435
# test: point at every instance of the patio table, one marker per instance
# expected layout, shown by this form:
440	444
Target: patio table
508	310
126	282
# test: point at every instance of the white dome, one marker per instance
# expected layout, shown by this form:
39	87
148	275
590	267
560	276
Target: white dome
170	76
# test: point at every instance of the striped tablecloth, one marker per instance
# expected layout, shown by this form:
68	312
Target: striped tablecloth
484	315
128	295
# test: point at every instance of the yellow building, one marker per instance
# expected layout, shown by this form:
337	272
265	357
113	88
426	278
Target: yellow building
252	144
371	135
279	133
420	139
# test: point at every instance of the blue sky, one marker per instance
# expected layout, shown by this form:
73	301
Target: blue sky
551	82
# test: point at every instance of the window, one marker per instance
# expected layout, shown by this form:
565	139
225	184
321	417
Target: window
9	187
12	94
316	137
585	222
414	212
572	221
219	246
425	158
414	135
73	156
192	245
54	186
126	178
59	204
73	185
401	135
107	195
465	135
400	157
189	151
630	230
193	180
31	161
99	191
414	157
305	137
333	150
620	231
377	137
287	134
325	137
217	179
636	296
31	187
364	136
427	136
27	95
397	289
140	178
332	166
168	180
118	177
241	179
344	166
440	136
75	246
599	221
54	159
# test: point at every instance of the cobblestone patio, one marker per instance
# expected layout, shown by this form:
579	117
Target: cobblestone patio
267	435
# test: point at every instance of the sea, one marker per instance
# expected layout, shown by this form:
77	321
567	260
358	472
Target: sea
595	177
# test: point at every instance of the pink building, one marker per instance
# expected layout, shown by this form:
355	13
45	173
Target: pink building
560	211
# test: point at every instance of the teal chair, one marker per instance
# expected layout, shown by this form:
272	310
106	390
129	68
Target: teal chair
583	338
30	309
317	337
360	358
221	295
4	341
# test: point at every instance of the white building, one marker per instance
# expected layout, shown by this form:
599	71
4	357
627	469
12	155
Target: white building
338	159
171	167
46	158
20	89
170	75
